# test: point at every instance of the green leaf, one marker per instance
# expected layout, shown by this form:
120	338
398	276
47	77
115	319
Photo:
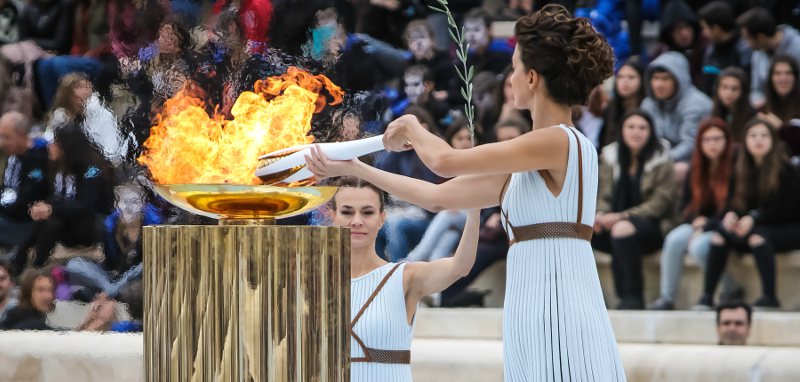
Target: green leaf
436	9
453	36
460	55
460	75
464	94
470	73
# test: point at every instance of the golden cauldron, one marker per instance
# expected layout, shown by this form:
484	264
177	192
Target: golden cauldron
243	300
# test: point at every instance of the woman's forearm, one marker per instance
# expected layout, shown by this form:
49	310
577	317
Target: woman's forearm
415	191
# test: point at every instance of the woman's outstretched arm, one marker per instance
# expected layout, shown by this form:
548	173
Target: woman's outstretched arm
470	191
543	149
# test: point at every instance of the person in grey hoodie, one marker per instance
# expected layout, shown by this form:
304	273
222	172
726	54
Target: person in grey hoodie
767	39
676	106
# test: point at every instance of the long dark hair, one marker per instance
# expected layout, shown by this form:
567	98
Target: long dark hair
29	278
787	107
710	187
648	151
620	106
737	117
757	182
79	154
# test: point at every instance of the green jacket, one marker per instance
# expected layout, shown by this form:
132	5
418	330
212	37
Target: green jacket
658	187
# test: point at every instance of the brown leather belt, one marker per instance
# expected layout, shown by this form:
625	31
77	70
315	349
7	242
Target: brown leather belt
551	231
402	357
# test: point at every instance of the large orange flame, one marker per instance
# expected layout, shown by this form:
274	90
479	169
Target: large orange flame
189	146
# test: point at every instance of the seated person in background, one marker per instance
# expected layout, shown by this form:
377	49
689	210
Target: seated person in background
24	179
122	244
726	48
484	53
418	85
82	189
706	196
123	228
634	203
420	41
782	110
36	300
731	102
132	296
734	321
767	39
764	217
7	299
676	107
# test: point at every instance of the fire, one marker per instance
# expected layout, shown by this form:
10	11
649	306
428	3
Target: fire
188	146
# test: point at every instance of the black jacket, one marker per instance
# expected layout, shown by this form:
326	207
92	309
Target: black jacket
24	318
84	193
782	207
31	183
48	24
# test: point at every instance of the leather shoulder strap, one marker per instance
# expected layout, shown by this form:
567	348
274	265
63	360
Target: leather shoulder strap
374	294
580	175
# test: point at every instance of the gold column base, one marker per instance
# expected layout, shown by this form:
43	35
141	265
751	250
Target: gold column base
246	303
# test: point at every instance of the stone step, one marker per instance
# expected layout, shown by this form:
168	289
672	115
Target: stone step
678	327
90	357
481	360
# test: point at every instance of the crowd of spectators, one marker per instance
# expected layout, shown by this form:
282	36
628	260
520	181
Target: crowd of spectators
698	133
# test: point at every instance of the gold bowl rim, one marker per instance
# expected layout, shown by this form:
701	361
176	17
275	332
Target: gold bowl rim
172	194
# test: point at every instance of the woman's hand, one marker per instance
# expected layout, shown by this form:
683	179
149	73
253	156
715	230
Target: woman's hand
40	211
396	136
699	222
772	119
322	167
744	226
730	221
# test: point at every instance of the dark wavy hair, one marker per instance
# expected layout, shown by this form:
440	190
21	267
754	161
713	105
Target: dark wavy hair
787	107
29	278
758	182
619	106
710	187
741	112
651	147
566	51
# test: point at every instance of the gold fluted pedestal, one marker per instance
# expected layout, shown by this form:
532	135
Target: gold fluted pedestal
246	303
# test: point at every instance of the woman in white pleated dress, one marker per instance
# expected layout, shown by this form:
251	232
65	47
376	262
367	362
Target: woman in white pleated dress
384	296
555	323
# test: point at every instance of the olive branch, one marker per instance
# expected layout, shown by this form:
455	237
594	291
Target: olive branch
464	72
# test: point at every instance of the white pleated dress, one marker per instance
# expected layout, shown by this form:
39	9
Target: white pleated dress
383	325
555	325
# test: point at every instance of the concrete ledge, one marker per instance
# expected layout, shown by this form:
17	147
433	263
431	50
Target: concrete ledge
456	360
700	363
90	357
680	327
33	356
